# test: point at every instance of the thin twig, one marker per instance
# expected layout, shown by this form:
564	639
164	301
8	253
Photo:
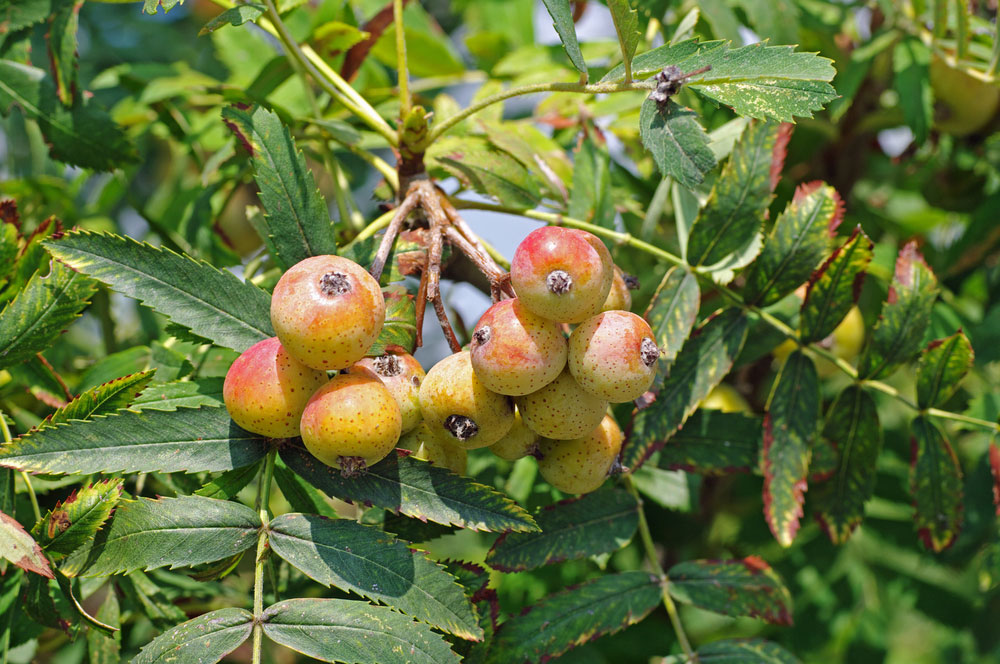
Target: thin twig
449	333
385	248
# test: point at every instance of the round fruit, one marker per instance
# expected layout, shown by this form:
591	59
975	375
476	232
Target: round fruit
402	374
266	389
619	297
562	274
613	356
725	398
327	311
964	104
845	342
515	352
459	408
581	465
351	423
426	446
519	442
562	409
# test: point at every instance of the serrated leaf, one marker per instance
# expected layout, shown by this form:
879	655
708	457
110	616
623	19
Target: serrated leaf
227	485
703	362
626	23
103	399
488	170
297	223
936	485
834	287
415	488
400	327
234	16
188	530
38	314
852	426
366	561
189	440
337	630
213	303
744	651
575	616
181	394
907	313
301	495
590	197
18	547
599	522
713	442
797	244
77	519
672	313
790	425
15	16
82	135
205	639
735	210
942	366
562	21
61	39
150	6
747	587
679	144
911	78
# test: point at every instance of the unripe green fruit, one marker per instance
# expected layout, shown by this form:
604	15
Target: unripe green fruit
964	103
562	274
562	409
458	408
266	389
581	465
613	356
620	296
519	442
515	352
428	447
327	311
401	374
351	423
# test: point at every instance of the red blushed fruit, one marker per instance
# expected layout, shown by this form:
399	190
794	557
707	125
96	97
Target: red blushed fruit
266	390
613	356
327	311
562	274
515	352
351	423
402	375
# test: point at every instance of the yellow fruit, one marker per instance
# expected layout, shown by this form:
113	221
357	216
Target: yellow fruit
519	442
620	297
725	398
846	342
562	409
581	465
402	375
425	446
963	104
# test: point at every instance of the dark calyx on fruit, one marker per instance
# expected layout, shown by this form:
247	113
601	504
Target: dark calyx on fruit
482	335
461	427
387	366
334	283
649	352
559	282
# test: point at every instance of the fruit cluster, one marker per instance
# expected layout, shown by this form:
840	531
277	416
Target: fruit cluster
522	387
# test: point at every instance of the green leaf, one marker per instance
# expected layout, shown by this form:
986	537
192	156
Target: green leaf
213	303
181	394
149	598
942	366
747	587
713	442
297	223
15	16
835	287
911	61
366	561
416	488
400	327
39	313
77	519
703	362
735	210
797	244
186	441
679	144
905	316
936	484
626	23
150	6
573	617
852	426
599	522
790	425
775	20
104	399
237	15
562	21
205	639
82	135
744	651
146	534
488	170
61	39
590	198
18	547
101	648
672	313
227	485
338	630
301	495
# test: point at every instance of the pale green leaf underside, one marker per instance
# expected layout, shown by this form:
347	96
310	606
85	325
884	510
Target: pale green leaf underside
205	639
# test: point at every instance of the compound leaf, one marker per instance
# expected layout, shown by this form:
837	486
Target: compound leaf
679	144
747	587
834	287
936	484
942	366
205	639
713	442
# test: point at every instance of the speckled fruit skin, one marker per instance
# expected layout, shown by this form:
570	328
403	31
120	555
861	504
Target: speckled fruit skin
581	465
562	409
452	397
619	297
516	352
426	446
266	389
613	356
551	251
519	442
351	418
327	311
402	375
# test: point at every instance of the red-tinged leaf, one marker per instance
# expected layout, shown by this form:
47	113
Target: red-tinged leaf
713	442
834	287
905	316
77	519
797	244
703	362
672	313
780	152
852	426
61	38
995	470
747	587
790	426
18	547
943	365
936	484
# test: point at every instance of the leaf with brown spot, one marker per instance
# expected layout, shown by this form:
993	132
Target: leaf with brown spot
943	365
747	587
17	546
77	519
936	485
